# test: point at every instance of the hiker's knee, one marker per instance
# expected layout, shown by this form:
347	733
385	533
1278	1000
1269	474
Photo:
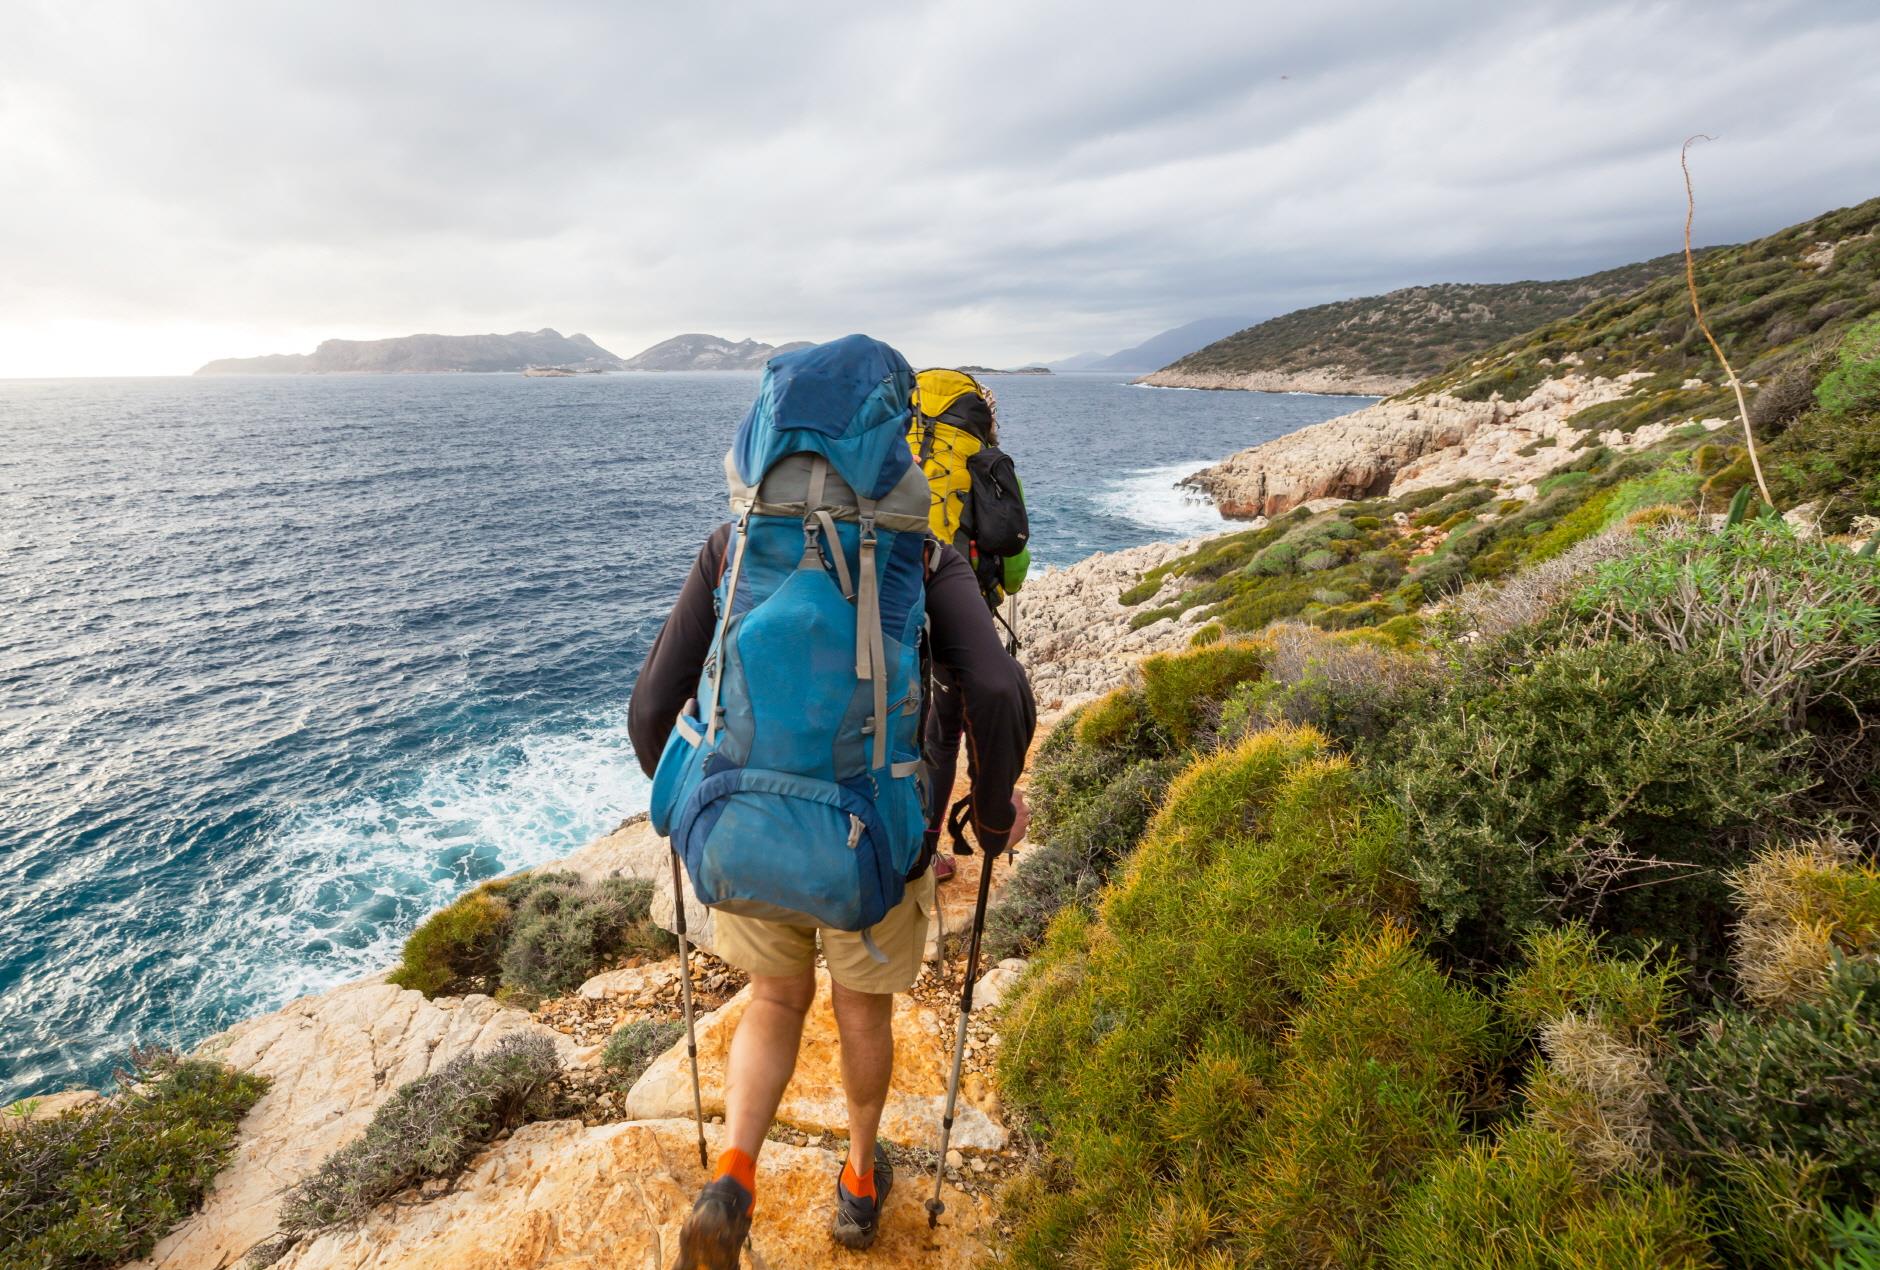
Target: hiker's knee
792	992
860	1011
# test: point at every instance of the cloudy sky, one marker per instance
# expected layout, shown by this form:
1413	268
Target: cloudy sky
998	181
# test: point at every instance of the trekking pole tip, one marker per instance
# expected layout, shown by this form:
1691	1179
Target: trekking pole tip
934	1209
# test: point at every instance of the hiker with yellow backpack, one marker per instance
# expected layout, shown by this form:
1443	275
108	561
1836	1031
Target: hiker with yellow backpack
976	506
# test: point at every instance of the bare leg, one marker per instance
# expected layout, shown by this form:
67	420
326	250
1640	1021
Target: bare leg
763	1056
864	1020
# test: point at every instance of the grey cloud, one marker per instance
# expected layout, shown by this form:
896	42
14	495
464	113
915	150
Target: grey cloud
979	180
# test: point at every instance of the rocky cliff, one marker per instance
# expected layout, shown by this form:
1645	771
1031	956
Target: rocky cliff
428	354
1399	446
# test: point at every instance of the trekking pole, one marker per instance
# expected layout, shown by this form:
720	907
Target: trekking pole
685	996
934	1206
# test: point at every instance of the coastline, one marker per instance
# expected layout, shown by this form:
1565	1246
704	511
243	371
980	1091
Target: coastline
1327	381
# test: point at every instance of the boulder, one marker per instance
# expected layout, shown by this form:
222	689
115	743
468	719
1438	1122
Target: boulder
557	1194
631	851
996	982
333	1059
814	1101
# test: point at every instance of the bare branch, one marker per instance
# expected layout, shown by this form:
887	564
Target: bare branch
1690	281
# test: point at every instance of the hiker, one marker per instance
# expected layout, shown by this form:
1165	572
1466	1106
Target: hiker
976	505
783	698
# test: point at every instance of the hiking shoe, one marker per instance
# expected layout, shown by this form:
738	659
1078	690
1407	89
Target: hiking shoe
716	1229
943	869
857	1220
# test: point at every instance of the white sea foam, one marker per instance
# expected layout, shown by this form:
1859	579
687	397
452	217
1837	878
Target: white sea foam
356	876
1153	497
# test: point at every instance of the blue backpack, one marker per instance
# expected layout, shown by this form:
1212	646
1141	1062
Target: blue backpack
791	786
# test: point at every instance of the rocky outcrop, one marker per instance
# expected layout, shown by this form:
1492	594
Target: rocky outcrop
558	1194
1074	634
1398	446
333	1059
814	1100
1335	381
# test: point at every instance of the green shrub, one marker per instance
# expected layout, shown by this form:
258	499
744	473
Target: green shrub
1139	1044
535	934
1852	386
429	1128
1212	633
562	930
1554	790
1077	842
1671	485
1800	1082
1352	691
1118	721
100	1184
1183	691
1317	561
1801	619
457	948
1564	970
1520	1204
633	1046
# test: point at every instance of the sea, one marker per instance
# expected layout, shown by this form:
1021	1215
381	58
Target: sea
288	662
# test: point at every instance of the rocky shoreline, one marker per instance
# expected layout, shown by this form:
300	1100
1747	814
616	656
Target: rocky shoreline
1395	447
1332	381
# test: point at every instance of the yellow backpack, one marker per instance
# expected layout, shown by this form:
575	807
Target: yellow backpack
951	423
976	502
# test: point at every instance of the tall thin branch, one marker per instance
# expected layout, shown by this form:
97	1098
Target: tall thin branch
1690	282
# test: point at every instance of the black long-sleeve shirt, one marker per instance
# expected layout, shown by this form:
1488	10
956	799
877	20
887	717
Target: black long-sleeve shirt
1000	712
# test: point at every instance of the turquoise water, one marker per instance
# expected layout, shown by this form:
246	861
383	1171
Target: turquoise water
285	663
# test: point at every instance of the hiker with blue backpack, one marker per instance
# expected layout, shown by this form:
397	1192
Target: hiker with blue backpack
785	701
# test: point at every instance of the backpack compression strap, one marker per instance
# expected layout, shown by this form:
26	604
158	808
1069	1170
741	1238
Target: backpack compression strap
870	660
724	624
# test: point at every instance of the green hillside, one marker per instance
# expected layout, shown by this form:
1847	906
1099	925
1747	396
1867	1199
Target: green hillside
1538	929
1413	332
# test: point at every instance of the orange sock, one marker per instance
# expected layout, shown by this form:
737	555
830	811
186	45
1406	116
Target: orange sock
860	1187
739	1167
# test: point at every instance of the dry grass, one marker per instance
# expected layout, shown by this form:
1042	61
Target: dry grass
1797	903
1596	1093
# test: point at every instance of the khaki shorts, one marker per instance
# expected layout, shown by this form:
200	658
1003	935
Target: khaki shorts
758	947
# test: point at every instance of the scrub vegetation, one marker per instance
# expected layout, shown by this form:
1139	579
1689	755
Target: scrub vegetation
99	1185
1492	883
531	936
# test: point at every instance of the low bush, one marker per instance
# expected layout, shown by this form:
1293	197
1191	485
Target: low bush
1801	904
459	946
633	1046
429	1128
1183	691
1604	783
1140	1045
1801	619
1799	1081
1352	691
536	934
1521	1203
1852	385
1077	842
100	1184
562	930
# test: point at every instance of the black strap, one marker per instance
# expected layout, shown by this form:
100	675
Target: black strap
957	820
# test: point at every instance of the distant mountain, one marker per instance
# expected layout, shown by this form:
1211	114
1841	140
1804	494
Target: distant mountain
1156	351
1383	344
423	354
708	352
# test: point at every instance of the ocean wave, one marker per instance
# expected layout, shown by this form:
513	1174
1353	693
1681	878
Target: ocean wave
355	876
1154	498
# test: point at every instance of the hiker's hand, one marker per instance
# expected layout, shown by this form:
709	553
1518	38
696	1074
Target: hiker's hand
1021	818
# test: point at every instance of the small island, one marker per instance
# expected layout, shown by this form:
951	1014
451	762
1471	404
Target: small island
993	370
